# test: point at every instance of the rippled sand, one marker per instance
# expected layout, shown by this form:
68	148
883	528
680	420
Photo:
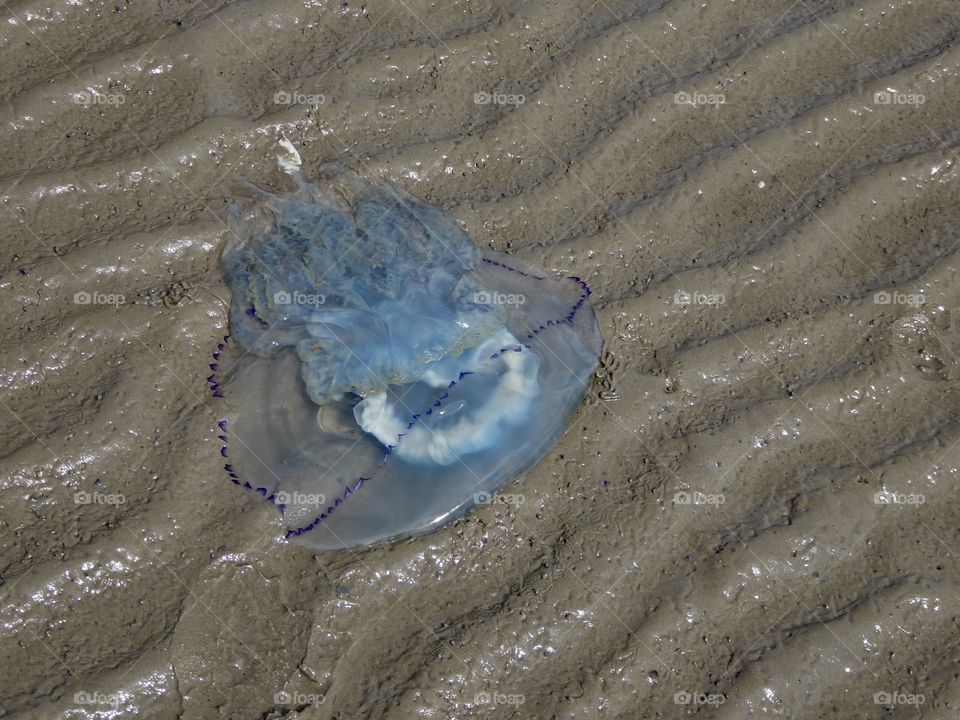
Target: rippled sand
755	512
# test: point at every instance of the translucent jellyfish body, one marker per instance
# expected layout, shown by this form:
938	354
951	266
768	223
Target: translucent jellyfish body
383	374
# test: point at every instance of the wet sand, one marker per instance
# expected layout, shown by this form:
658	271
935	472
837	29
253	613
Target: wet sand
754	513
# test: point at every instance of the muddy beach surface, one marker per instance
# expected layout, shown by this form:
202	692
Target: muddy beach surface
753	514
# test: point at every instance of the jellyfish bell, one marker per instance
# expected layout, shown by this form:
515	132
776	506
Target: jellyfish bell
382	372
